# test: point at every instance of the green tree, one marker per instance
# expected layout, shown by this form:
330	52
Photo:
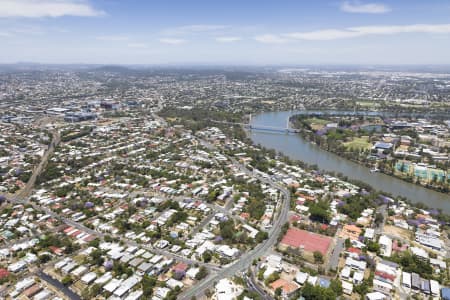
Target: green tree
373	246
272	277
310	292
207	256
96	257
261	236
202	273
347	243
67	280
336	286
318	257
148	283
319	212
44	258
95	290
227	229
378	218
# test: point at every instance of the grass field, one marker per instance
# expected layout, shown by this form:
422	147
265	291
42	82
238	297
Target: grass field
316	121
361	143
368	104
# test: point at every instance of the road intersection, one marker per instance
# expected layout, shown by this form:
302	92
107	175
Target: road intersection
217	272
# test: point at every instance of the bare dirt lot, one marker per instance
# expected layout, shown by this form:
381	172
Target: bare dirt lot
397	231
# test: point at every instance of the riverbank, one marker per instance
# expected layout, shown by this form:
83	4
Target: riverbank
356	151
297	148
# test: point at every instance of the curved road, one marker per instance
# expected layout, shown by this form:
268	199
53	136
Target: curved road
240	265
246	260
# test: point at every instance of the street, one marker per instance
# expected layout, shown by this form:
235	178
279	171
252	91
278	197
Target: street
246	260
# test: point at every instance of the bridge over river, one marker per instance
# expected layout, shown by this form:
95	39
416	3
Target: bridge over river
250	126
296	147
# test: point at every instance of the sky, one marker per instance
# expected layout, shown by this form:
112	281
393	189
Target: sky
225	32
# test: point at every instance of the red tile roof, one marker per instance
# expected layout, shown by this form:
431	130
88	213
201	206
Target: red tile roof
3	273
68	229
307	240
287	286
181	267
354	250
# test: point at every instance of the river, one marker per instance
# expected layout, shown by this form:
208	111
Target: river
296	147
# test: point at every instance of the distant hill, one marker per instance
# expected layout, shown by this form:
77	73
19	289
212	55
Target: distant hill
112	68
231	72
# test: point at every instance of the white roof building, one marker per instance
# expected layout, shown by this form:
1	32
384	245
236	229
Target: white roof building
227	251
69	267
24	283
162	292
369	233
88	278
127	285
358	277
112	285
269	271
419	252
274	261
438	262
79	271
42	295
313	280
406	279
376	296
435	288
355	264
385	245
227	290
136	295
172	283
345	273
103	279
347	287
382	286
192	272
17	266
301	277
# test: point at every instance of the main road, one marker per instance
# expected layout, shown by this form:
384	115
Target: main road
26	190
239	265
245	261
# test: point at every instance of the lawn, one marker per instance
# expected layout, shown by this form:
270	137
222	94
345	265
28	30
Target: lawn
368	104
361	143
317	121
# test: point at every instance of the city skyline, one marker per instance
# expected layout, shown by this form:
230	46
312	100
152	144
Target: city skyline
250	33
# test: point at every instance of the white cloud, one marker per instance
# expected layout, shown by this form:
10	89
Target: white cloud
270	39
172	41
228	39
22	30
368	8
46	8
323	35
395	29
137	45
192	29
353	32
112	38
29	30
